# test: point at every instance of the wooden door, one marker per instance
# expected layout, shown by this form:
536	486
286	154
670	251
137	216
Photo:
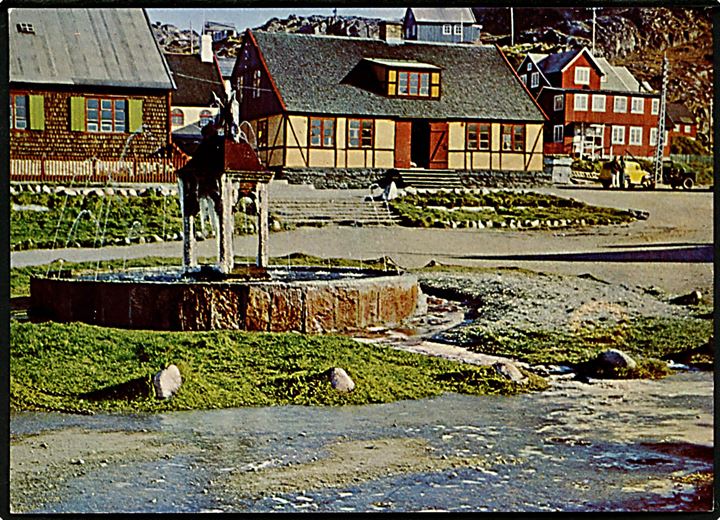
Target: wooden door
438	145
403	140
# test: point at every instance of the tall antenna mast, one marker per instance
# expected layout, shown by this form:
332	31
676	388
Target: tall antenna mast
512	27
661	121
594	11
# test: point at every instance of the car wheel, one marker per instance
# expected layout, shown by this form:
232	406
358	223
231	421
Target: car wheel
687	183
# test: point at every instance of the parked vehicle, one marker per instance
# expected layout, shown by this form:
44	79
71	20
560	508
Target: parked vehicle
676	175
628	174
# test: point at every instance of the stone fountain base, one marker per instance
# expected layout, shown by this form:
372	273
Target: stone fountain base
346	300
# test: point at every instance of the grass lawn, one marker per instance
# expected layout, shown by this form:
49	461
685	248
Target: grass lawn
82	368
498	206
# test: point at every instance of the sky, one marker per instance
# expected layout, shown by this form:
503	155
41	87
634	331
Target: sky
254	17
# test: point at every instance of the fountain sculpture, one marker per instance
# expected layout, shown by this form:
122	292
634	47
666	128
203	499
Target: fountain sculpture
225	296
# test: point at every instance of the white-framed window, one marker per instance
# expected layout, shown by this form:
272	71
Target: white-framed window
529	67
636	135
257	79
618	135
582	75
558	102
653	137
458	30
688	129
524	78
558	133
637	106
620	105
534	79
655	107
598	103
447	29
580	103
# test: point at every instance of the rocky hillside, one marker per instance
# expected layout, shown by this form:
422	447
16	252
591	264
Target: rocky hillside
633	37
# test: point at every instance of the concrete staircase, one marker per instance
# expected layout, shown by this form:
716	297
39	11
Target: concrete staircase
346	211
431	179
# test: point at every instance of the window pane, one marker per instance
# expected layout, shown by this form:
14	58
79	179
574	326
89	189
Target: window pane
403	83
424	84
519	138
92	103
315	126
367	134
414	83
484	137
106	104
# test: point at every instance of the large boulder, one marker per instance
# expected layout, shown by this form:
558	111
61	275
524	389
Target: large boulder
340	381
167	382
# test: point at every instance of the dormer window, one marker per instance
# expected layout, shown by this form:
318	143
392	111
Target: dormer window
397	78
447	29
582	75
25	28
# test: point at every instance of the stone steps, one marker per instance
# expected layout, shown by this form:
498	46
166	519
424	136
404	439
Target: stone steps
348	212
431	179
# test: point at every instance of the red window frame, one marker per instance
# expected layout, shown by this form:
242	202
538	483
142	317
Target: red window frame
177	115
13	111
117	125
474	137
363	140
414	83
516	133
205	117
324	124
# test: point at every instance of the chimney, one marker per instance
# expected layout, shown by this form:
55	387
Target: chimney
206	50
391	32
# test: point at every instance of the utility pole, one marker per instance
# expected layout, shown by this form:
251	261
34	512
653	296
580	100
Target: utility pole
191	38
661	122
594	11
512	27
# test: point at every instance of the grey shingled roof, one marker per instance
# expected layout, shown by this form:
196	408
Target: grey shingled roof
195	80
619	79
443	15
555	62
99	47
476	81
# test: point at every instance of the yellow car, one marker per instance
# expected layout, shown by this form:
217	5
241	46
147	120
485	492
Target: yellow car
633	175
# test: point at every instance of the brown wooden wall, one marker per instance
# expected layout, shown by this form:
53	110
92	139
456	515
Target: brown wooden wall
58	142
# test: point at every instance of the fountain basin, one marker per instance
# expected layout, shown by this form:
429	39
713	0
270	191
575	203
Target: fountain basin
302	299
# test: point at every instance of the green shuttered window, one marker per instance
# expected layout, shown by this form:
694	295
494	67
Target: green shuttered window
105	115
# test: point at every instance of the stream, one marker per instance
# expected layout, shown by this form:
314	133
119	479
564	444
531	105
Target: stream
603	446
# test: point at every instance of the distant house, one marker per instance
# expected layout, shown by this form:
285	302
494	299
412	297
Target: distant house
197	77
595	109
680	122
440	24
219	31
89	96
321	103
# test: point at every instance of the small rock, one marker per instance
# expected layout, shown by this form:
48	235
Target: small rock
340	381
78	462
692	298
613	359
509	371
167	382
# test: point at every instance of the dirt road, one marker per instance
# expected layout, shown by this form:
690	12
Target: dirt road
678	219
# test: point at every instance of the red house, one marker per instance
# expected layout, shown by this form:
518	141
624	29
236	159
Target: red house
680	122
594	109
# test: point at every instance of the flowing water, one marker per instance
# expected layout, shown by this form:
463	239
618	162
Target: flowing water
605	446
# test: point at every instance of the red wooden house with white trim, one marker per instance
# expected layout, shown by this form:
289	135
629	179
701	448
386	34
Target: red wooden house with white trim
594	109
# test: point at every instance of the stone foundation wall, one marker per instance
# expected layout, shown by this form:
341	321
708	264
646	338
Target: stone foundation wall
345	178
505	179
356	178
308	307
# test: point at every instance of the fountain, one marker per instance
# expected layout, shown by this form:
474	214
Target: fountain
260	297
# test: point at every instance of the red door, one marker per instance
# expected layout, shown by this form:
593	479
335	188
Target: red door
438	145
403	138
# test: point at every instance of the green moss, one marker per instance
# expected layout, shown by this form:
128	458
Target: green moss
82	368
643	338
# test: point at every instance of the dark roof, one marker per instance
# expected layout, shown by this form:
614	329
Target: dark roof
476	80
556	62
679	113
99	47
195	80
